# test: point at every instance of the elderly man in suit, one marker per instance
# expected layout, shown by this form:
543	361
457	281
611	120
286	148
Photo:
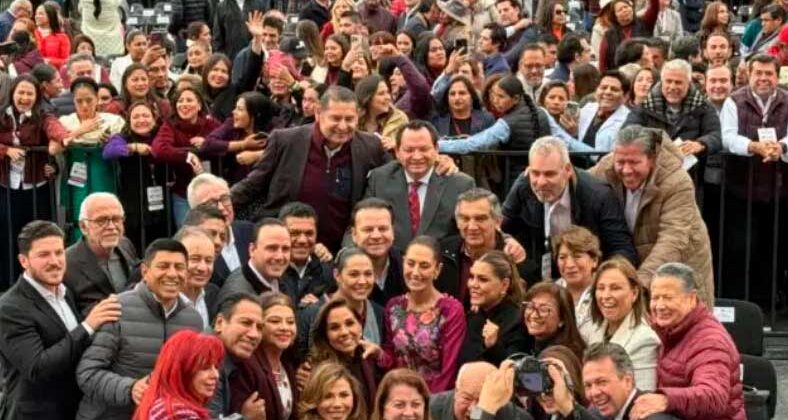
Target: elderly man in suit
209	188
324	165
423	201
41	338
101	263
197	288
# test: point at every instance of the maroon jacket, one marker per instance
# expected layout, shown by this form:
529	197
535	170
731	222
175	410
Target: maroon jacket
698	369
255	374
172	144
31	134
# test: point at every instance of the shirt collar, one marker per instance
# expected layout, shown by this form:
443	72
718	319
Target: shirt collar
620	414
167	312
425	180
200	297
266	283
301	269
43	291
564	201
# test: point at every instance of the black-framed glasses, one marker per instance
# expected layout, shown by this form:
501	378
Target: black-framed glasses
560	12
543	310
105	220
224	199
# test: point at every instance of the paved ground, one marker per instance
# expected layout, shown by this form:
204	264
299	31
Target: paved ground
782	389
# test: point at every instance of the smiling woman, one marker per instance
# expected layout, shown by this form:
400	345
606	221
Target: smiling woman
184	379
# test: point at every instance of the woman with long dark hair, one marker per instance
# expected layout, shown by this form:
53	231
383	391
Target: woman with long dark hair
553	18
625	24
549	316
184	379
336	47
25	169
27	56
52	40
101	23
140	182
135	87
240	133
570	366
430	57
377	113
179	141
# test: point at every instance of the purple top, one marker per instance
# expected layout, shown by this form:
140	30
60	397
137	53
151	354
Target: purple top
218	141
428	342
417	101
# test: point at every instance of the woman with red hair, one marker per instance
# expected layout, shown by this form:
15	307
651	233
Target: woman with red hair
184	379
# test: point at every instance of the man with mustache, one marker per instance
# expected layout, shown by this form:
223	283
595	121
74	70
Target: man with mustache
239	325
101	263
113	372
551	196
41	338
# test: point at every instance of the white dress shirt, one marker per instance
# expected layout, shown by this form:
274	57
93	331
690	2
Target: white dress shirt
273	284
732	141
422	191
201	307
558	215
230	253
59	304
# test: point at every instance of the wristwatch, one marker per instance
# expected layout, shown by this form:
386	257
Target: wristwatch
479	414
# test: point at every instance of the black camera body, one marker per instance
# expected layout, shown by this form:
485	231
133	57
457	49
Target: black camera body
531	376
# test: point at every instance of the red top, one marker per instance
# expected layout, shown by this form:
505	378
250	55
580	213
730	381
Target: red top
55	47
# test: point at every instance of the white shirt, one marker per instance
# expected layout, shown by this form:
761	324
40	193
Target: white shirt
732	141
273	284
201	308
167	312
620	414
422	191
558	216
582	306
59	304
230	253
381	281
631	206
240	4
301	270
117	69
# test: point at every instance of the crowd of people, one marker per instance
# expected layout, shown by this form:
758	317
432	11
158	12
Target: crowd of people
283	209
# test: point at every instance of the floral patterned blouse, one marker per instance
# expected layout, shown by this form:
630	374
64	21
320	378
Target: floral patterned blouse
428	342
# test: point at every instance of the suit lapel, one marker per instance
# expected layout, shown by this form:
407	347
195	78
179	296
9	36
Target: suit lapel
357	157
40	303
88	266
300	156
432	200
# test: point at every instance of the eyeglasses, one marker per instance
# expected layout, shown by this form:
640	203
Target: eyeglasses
224	199
543	310
560	12
104	220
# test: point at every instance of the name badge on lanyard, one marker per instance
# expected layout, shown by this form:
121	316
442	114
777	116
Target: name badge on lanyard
767	134
17	173
78	176
547	262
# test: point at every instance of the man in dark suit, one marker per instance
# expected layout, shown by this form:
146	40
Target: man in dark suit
101	263
372	230
41	338
269	258
609	383
324	165
230	34
423	201
209	188
550	197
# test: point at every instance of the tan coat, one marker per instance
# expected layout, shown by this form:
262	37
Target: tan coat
668	226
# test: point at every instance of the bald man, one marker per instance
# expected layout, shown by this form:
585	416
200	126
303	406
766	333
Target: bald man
481	392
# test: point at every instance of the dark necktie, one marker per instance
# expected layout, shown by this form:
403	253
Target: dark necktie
413	207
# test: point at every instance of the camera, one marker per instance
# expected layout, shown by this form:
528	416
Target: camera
9	48
531	376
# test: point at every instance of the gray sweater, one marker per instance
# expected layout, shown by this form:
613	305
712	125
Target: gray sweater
125	351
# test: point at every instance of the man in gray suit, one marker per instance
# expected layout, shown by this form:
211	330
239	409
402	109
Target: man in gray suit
101	263
423	201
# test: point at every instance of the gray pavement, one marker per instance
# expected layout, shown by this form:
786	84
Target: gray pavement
782	388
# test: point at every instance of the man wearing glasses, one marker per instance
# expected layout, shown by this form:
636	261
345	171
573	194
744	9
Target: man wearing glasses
101	263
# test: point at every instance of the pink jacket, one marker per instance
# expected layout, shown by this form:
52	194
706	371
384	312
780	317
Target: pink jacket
698	369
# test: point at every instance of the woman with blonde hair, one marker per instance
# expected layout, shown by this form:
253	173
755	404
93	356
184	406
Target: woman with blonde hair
402	394
332	393
339	7
618	315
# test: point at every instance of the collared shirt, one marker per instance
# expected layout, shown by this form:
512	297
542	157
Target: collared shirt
620	414
381	281
57	301
201	307
230	253
167	312
582	306
631	206
558	215
734	142
273	284
422	191
301	270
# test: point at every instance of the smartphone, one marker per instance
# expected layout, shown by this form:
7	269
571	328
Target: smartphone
572	108
355	40
261	135
461	44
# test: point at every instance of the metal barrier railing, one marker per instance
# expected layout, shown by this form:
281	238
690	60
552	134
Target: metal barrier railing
507	161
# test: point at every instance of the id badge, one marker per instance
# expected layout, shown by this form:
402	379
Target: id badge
17	173
767	134
547	266
155	198
78	176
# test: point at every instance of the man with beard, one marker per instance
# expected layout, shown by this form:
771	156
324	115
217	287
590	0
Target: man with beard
551	196
100	264
717	49
41	339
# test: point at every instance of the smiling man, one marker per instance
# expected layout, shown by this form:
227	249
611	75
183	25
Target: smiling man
659	204
323	164
113	372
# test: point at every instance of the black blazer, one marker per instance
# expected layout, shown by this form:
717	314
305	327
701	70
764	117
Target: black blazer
512	336
395	282
87	280
39	356
276	179
242	233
